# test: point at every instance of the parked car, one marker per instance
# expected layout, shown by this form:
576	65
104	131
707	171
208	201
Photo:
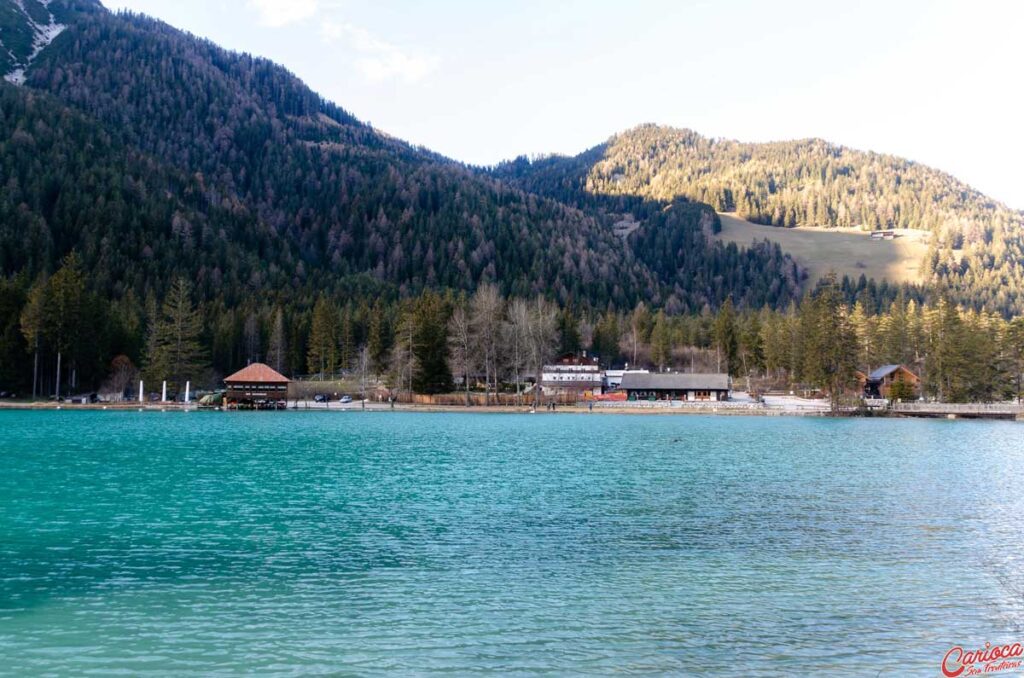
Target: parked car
320	398
346	399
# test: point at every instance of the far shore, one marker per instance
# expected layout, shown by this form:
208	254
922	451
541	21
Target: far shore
727	408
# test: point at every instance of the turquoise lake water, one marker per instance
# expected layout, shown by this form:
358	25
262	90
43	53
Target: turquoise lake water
409	543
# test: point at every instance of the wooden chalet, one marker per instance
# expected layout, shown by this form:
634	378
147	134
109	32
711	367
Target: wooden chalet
257	386
879	383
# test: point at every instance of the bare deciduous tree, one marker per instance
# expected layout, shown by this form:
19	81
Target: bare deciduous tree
403	355
516	337
486	308
122	374
460	346
542	338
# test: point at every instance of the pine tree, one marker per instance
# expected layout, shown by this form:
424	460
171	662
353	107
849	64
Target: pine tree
178	347
726	340
945	362
897	334
63	315
829	340
153	371
252	338
403	354
606	339
661	342
569	340
900	390
863	329
432	374
1013	342
13	299
276	353
346	341
322	357
376	340
752	346
639	322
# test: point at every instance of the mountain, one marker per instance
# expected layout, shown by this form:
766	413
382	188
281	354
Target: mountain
976	245
227	169
156	154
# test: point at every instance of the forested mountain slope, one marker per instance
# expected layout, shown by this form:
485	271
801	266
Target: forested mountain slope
322	196
977	244
253	182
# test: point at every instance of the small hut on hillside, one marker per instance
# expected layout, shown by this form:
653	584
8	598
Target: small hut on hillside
257	386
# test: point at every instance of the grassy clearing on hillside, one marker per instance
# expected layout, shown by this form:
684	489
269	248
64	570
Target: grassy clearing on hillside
846	251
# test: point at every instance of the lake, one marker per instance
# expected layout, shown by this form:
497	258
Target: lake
319	542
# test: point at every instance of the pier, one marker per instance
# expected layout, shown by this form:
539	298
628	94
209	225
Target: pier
960	410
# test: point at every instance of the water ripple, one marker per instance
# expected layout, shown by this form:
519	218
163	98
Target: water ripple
318	543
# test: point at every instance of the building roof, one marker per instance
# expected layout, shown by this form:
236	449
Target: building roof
680	382
257	373
885	370
573	359
572	385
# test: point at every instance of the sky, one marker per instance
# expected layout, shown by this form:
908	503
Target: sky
939	82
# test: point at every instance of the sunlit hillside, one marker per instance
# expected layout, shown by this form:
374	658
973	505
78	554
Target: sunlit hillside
849	252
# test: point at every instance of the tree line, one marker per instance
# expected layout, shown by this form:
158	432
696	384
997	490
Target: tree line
57	336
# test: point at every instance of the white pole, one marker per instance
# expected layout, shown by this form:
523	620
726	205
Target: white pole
163	398
188	386
140	390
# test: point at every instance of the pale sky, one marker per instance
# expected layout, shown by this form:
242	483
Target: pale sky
938	82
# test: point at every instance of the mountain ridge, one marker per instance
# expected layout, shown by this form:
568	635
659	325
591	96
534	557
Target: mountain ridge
334	199
977	248
328	195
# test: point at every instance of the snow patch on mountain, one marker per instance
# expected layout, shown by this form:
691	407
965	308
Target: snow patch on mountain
43	34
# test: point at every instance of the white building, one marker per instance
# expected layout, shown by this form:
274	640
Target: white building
572	374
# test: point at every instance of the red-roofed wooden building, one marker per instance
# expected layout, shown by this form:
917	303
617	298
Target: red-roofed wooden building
257	385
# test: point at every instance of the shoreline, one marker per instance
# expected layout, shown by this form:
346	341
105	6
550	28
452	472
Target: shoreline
300	406
722	410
